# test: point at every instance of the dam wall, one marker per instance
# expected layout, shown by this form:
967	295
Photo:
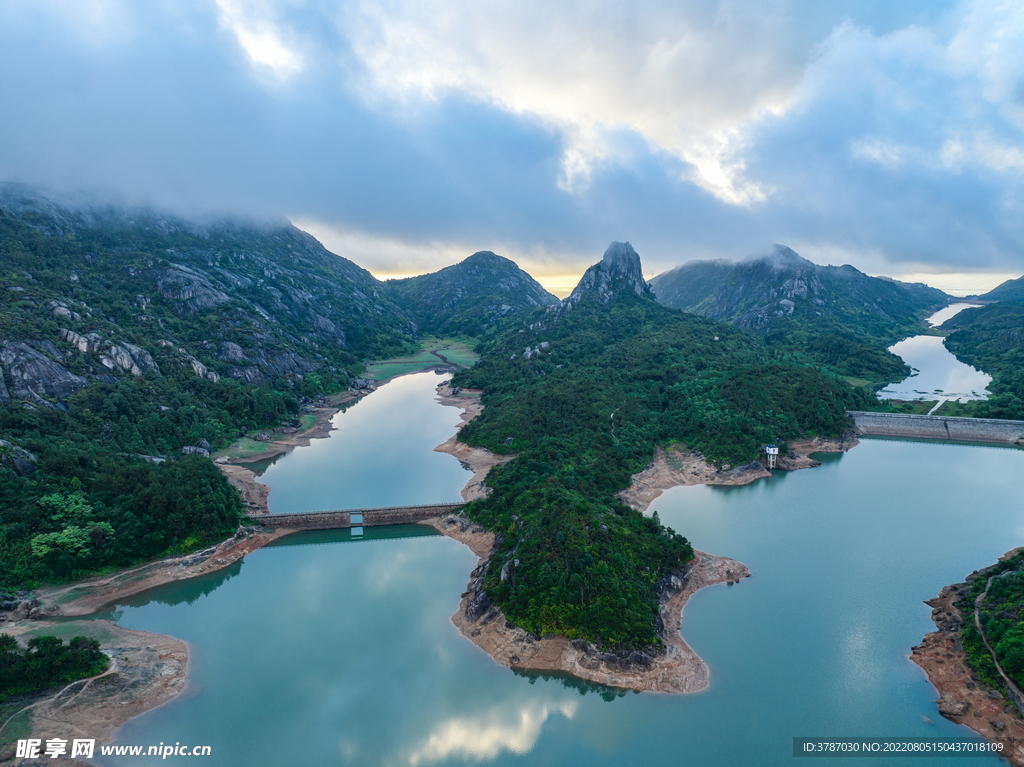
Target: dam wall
938	427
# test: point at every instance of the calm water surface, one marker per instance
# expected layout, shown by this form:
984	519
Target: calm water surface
325	650
937	374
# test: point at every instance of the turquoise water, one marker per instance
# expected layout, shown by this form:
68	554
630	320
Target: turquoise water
937	374
329	650
379	454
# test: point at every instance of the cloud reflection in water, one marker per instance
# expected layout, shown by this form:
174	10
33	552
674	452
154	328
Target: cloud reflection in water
482	738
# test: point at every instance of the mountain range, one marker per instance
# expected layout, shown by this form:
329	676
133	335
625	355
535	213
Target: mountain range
100	293
129	337
782	289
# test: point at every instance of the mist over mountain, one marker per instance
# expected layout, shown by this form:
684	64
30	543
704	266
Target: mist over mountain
133	344
249	301
469	297
692	286
781	287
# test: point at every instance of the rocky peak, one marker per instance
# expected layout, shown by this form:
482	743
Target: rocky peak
782	258
619	269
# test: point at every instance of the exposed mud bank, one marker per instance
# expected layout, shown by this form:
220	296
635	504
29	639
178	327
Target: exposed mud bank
479	460
678	670
676	465
146	670
963	697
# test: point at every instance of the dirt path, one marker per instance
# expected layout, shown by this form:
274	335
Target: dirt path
87	596
146	671
963	697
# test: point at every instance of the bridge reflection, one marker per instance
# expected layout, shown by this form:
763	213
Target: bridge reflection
330	537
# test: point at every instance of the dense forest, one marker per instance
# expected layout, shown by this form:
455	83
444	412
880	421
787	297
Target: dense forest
582	396
46	662
126	337
129	337
470	298
991	338
1002	618
837	317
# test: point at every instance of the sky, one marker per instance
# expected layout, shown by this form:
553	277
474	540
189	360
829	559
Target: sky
408	134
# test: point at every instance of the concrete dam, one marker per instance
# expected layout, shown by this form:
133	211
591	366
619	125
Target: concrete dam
938	427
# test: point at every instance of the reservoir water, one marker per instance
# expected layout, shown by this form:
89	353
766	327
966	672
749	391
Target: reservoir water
937	374
328	650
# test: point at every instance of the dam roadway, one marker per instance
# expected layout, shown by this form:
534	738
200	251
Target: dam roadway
333	519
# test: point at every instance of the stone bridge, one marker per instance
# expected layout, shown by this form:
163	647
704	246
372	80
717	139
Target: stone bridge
331	519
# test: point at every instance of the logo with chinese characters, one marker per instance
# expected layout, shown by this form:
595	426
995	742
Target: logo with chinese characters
33	748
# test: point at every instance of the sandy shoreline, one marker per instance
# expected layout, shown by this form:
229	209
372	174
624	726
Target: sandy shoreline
678	670
479	460
676	466
146	670
963	697
88	596
150	669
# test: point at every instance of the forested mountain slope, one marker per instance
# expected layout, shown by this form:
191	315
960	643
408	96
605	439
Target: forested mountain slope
837	316
1011	291
692	287
582	393
470	297
761	291
991	338
127	334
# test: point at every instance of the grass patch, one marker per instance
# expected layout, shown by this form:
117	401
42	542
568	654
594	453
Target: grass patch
459	353
20	726
956	409
385	371
243	446
858	383
432	352
70	630
913	407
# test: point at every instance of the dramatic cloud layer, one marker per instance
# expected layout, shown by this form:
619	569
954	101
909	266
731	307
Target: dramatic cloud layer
410	133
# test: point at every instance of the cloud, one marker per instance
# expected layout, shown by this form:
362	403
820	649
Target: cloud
680	75
262	40
418	133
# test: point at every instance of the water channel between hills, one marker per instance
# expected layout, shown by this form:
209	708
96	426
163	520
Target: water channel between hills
937	374
330	650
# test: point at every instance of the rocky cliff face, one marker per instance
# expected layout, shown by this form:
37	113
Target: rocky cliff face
34	377
618	270
97	294
470	296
